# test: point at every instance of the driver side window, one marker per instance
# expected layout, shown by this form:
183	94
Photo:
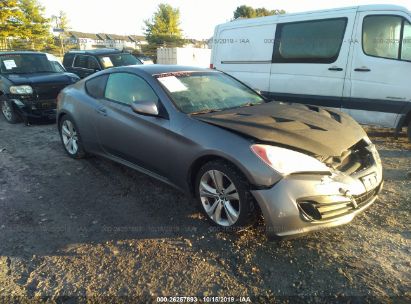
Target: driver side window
128	88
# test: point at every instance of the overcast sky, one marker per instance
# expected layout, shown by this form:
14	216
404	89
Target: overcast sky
198	18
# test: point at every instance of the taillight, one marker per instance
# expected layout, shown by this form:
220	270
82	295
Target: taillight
211	66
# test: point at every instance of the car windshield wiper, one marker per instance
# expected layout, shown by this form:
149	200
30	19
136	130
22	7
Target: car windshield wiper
205	111
250	104
45	72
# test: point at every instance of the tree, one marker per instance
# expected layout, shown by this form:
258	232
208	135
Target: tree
10	21
164	27
61	23
35	26
245	11
262	12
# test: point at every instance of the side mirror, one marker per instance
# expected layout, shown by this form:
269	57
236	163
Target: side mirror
145	107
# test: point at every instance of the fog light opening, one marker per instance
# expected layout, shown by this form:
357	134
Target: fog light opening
310	211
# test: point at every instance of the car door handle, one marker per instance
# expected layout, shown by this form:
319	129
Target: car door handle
335	69
362	70
102	111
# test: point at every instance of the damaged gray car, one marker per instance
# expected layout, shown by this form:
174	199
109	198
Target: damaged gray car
204	132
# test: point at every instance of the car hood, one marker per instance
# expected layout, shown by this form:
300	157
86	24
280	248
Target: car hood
318	131
38	78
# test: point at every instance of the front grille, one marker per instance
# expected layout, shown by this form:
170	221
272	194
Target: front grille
48	91
362	199
316	211
353	160
46	104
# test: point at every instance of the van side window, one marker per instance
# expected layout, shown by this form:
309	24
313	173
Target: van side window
315	41
381	36
406	42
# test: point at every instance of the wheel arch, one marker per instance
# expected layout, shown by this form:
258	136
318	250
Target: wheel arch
201	161
61	115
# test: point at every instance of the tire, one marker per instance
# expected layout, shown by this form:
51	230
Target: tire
230	209
9	112
70	138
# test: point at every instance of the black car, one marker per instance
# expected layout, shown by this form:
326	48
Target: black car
85	63
29	85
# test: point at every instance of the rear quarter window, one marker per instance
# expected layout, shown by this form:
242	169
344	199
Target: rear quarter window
96	86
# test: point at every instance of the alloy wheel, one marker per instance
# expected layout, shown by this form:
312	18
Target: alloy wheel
219	197
69	136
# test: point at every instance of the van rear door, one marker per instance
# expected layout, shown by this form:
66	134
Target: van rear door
380	72
310	57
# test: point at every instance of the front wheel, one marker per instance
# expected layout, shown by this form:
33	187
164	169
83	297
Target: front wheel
9	112
70	137
224	196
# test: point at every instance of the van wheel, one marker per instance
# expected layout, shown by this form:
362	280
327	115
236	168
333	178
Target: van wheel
9	112
224	196
409	131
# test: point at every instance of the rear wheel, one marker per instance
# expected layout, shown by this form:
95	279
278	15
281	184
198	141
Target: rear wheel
224	197
9	112
70	137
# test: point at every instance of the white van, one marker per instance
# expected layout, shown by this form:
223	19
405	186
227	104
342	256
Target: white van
357	59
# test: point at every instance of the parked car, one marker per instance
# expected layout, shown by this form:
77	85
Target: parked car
144	59
208	134
29	84
357	59
85	63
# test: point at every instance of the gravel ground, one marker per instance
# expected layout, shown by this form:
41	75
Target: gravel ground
93	231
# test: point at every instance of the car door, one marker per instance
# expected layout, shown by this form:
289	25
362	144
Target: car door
122	133
380	69
84	65
310	58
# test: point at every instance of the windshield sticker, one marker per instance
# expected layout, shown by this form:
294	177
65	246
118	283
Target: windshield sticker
9	64
173	84
107	62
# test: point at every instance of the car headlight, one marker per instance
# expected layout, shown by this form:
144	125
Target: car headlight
21	90
287	161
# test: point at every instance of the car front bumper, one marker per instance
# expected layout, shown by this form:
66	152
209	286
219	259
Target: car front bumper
331	200
36	110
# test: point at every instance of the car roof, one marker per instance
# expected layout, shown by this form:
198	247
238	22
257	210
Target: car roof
154	69
22	53
96	52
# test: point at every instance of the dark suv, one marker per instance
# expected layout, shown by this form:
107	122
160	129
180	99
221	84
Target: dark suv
29	85
85	63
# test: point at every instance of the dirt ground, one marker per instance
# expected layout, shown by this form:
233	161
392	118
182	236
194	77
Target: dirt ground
93	231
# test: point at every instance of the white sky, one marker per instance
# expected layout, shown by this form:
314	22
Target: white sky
198	17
